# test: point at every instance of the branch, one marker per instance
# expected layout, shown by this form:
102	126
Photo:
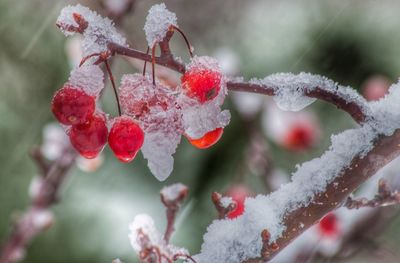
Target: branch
37	216
223	208
384	197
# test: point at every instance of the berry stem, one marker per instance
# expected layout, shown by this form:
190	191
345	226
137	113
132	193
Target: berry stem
153	63
189	46
113	85
145	62
87	57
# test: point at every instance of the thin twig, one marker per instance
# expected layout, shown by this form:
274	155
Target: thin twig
223	210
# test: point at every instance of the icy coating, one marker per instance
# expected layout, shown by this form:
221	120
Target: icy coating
88	78
99	32
158	22
289	90
228	241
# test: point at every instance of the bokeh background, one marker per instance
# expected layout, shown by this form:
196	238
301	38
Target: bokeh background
349	41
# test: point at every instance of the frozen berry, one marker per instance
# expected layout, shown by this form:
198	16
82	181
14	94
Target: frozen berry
375	88
125	138
329	226
72	106
90	137
238	194
300	137
208	140
202	84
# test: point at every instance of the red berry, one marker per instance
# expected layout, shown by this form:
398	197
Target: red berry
125	138
238	194
72	106
203	84
90	137
208	140
329	226
299	138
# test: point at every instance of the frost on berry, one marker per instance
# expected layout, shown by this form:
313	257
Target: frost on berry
97	33
154	106
202	79
158	22
125	138
89	78
90	137
71	105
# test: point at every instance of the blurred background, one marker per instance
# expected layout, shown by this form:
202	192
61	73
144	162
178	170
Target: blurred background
355	43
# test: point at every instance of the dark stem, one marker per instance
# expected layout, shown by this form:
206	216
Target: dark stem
189	46
113	85
145	62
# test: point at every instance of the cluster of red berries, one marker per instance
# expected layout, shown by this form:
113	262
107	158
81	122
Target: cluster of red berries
87	127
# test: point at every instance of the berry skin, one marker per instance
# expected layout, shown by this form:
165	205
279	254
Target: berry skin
208	140
125	138
238	194
204	85
299	138
90	137
72	106
329	225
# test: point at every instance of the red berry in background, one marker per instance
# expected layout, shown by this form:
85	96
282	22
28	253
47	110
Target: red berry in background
375	87
238	194
208	140
72	106
90	137
125	138
329	225
204	84
300	137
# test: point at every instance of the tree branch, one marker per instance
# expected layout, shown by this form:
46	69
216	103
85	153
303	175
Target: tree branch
37	216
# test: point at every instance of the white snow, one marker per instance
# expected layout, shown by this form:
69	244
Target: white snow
89	78
97	35
144	224
172	192
226	201
158	22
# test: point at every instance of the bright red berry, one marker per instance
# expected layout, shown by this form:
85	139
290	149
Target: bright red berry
125	138
90	137
238	194
329	225
300	137
208	140
72	106
204	84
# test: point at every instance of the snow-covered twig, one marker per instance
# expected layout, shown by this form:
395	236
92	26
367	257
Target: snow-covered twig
37	216
384	197
172	196
224	205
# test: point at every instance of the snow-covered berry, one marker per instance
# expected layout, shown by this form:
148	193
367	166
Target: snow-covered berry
208	140
72	106
238	193
90	137
202	80
125	138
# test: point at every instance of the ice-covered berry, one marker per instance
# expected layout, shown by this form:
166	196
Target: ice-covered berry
90	137
202	80
208	140
72	106
238	193
125	138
